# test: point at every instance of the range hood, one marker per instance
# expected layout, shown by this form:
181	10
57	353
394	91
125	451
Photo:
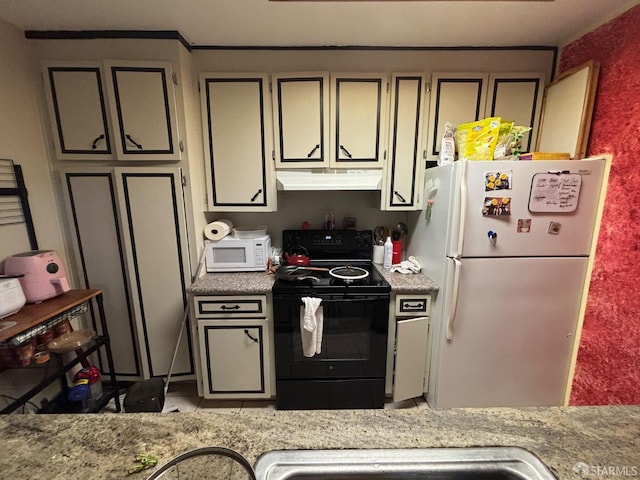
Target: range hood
329	179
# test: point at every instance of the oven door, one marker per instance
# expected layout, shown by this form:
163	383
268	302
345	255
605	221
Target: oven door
354	338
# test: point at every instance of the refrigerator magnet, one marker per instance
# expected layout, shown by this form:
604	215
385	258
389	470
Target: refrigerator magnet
524	225
554	228
497	180
496	206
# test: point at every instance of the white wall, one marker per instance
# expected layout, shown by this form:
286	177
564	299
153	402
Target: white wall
22	140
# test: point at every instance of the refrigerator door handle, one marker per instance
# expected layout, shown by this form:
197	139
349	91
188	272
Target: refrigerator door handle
463	208
453	305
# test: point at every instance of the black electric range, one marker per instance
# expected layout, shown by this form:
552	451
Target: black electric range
347	369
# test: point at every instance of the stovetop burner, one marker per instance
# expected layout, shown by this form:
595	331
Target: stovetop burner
351	250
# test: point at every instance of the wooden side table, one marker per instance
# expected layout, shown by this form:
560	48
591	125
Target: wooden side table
36	318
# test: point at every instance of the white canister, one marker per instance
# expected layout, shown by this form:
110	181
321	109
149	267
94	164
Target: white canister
378	254
12	297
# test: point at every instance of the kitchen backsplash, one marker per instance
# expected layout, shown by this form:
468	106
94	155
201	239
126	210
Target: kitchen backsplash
296	207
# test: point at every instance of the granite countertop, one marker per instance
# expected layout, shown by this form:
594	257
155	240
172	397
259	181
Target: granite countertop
414	283
244	283
232	283
102	446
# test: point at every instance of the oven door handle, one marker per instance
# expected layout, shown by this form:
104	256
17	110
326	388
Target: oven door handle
332	301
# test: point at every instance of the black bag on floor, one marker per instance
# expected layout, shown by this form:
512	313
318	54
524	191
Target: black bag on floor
145	396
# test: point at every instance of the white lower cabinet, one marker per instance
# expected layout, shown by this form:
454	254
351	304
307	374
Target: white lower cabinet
234	341
409	329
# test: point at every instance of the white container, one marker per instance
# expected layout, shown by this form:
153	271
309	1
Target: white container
12	297
250	232
388	253
378	254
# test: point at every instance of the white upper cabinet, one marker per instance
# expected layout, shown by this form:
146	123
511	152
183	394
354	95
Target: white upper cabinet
456	98
238	142
301	119
517	97
143	108
467	97
112	110
404	169
359	104
77	108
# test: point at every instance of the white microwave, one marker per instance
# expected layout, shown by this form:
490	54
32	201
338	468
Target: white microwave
233	254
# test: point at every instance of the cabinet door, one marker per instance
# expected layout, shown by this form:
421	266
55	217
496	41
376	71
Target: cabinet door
77	111
238	142
404	169
568	107
143	107
359	103
153	221
517	97
412	340
301	117
235	358
456	98
90	199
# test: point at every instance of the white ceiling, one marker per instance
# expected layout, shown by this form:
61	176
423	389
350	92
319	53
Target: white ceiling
322	23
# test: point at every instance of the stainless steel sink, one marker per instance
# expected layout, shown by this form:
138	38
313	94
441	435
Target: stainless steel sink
485	463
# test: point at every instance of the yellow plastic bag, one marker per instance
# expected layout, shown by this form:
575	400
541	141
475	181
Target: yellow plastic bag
477	140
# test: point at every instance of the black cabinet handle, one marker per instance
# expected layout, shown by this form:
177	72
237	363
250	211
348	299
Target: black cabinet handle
133	141
400	197
95	142
246	332
419	306
346	152
235	307
313	150
253	199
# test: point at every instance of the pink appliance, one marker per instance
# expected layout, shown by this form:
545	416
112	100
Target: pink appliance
43	274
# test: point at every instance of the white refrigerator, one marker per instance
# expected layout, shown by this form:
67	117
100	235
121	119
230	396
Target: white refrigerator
508	243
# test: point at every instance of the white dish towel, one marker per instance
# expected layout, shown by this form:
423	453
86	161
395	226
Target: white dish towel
311	320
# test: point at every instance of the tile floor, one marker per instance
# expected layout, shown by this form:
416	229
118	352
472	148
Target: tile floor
183	396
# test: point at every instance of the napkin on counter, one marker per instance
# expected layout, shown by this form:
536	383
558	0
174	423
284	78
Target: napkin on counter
410	265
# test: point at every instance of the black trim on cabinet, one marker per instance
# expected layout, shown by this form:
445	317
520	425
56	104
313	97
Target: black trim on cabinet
292	160
256	302
415	141
54	96
536	82
208	357
124	138
215	201
176	35
123	268
107	34
435	150
407	305
338	146
381	48
125	177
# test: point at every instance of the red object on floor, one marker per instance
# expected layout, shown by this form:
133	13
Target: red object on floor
608	367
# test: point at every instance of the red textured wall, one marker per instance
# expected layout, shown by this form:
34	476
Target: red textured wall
608	369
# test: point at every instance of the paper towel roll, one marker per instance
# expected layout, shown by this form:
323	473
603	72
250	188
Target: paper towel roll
218	230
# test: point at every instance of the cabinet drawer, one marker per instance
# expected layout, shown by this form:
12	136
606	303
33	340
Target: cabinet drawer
230	307
412	305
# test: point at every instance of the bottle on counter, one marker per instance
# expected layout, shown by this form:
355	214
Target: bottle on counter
388	253
396	256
